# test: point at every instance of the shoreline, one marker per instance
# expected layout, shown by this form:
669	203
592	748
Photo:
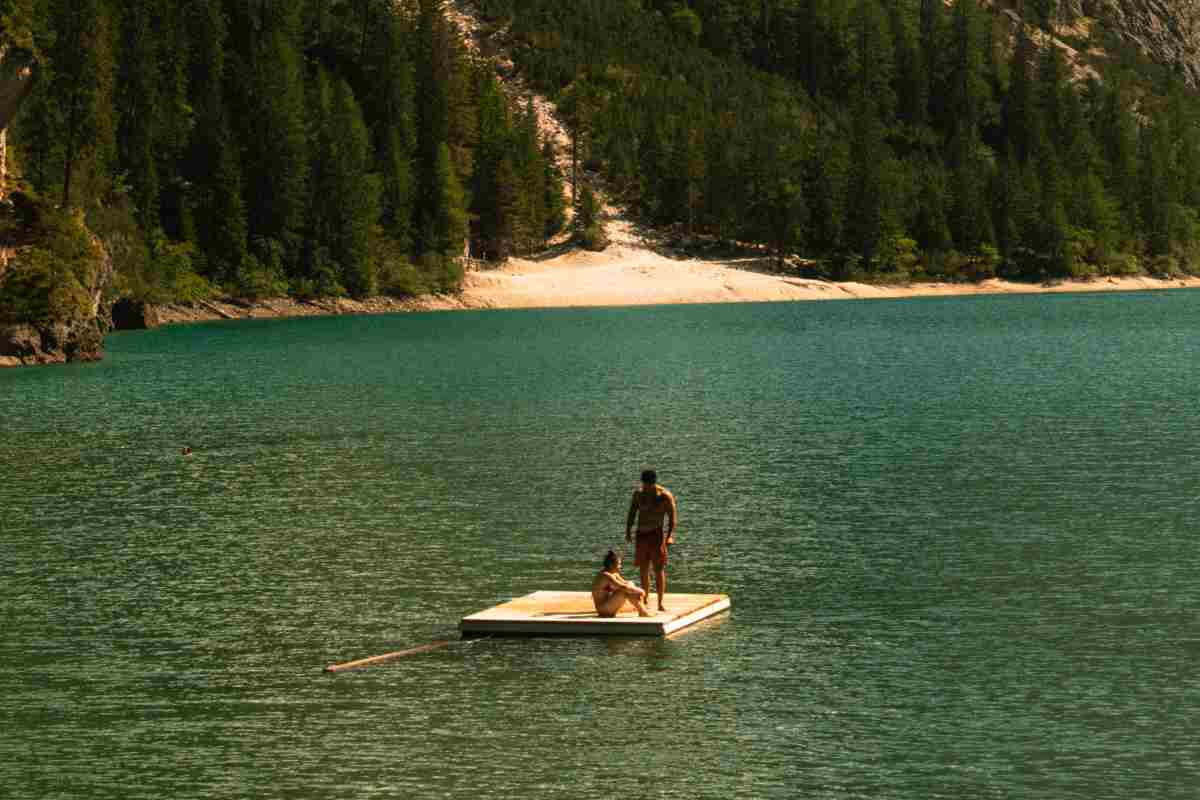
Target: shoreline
288	307
621	276
608	282
632	271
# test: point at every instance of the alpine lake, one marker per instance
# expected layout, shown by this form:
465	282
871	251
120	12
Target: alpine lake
960	537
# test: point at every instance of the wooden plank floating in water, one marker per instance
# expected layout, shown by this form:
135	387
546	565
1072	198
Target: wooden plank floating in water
363	662
548	613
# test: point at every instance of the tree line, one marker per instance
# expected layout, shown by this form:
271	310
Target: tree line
881	138
311	147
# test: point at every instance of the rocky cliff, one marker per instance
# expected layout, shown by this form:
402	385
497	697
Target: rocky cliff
16	79
54	292
1166	30
55	275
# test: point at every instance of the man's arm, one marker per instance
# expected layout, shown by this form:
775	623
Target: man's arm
671	516
633	509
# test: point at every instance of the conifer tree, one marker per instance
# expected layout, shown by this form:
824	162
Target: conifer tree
933	36
1026	213
530	176
1053	94
139	106
722	195
1023	124
828	174
80	90
552	192
36	128
321	274
912	78
871	218
494	201
1185	122
435	71
972	223
220	212
786	213
393	126
1088	204
930	227
874	66
447	230
824	51
588	231
354	194
1006	188
968	89
652	157
176	118
211	164
1116	133
692	167
276	162
1157	187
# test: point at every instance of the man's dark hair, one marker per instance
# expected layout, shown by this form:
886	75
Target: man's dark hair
649	476
610	559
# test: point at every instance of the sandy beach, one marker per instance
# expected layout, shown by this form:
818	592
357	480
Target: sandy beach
632	273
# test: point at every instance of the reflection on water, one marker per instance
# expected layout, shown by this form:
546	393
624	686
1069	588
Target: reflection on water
958	535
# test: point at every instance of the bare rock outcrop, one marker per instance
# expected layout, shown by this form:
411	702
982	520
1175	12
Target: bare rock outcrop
75	315
16	79
1166	30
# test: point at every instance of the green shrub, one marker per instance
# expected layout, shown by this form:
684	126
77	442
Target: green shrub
25	288
592	238
261	274
897	259
322	283
981	266
442	273
255	280
1119	264
47	282
399	278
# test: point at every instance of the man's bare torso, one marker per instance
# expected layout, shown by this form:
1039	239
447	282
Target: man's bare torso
652	508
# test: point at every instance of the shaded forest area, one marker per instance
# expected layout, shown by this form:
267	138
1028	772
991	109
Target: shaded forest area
316	148
884	139
328	147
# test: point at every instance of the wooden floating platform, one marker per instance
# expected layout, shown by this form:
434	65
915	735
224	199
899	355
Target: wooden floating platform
549	613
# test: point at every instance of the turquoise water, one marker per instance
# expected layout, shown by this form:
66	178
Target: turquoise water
959	535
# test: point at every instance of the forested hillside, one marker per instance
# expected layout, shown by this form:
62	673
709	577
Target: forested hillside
315	148
886	139
330	147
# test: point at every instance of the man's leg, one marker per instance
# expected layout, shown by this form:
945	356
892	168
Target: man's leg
644	569
660	581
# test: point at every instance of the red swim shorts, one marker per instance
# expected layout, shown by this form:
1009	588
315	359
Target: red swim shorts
651	548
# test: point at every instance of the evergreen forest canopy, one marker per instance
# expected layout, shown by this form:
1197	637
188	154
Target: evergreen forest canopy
321	147
886	139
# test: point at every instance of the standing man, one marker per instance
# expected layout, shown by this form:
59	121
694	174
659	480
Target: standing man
649	505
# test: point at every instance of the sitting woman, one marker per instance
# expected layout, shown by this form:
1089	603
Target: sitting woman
610	591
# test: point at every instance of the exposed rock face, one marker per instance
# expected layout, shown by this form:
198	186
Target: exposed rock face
75	335
16	79
55	343
1166	30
